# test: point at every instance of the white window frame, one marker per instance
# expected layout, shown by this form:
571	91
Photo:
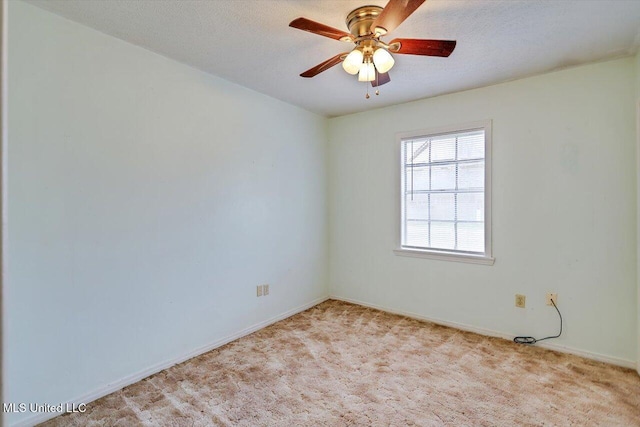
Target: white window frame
487	257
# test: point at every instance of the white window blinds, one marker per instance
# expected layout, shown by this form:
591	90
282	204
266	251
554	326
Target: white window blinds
443	192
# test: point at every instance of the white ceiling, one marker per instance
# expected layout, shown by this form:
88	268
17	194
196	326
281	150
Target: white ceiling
250	43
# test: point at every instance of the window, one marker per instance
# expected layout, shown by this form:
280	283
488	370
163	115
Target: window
445	184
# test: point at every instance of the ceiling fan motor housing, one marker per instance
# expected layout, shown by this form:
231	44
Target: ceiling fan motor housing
359	21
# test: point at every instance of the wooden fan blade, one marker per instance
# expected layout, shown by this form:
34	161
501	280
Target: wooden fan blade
310	26
394	14
381	79
422	47
325	65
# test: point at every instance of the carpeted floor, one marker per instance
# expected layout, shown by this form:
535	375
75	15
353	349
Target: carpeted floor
339	364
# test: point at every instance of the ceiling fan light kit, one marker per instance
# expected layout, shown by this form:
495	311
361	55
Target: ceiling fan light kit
383	60
367	73
353	61
371	59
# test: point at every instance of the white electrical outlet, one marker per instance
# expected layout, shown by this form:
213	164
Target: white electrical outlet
265	289
553	297
259	290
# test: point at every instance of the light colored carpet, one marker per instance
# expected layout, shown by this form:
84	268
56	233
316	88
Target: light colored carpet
339	364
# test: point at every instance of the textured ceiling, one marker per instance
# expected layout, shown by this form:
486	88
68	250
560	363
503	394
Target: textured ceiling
249	42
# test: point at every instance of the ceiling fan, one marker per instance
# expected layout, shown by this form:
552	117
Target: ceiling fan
371	58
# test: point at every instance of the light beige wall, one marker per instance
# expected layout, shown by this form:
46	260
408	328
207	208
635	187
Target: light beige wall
564	211
637	71
3	153
147	200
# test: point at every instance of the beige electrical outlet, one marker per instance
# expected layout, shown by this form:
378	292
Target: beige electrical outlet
553	297
265	289
520	300
259	290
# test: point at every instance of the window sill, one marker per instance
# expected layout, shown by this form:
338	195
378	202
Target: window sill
445	256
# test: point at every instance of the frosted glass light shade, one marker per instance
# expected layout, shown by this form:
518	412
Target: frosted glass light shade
383	60
353	62
367	73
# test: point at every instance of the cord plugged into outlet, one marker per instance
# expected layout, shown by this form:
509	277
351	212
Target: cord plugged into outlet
551	300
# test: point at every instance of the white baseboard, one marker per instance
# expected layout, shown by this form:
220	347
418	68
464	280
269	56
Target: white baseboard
488	332
134	378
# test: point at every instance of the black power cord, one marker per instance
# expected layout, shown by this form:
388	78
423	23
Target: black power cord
532	340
